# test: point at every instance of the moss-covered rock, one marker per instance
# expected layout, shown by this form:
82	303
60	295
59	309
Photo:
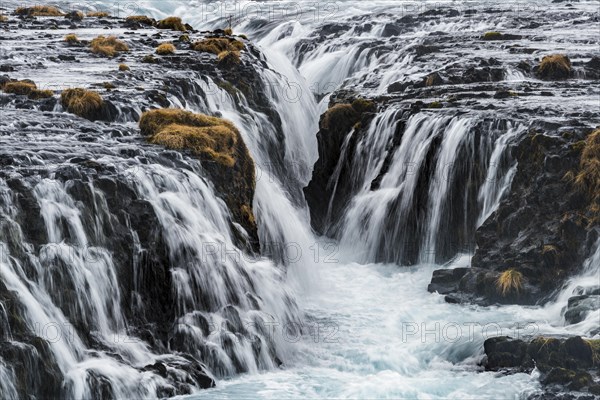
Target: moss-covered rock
554	67
26	88
84	103
173	23
39	11
165	49
141	20
108	46
220	147
335	124
217	45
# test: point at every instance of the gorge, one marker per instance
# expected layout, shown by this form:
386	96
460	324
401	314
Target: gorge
300	200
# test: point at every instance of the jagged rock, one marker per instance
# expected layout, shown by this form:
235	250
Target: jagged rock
580	306
334	125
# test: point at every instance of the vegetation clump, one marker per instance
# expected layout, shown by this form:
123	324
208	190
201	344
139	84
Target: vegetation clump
165	49
123	67
510	280
140	19
71	39
345	115
75	15
3	18
435	104
98	14
108	46
84	103
173	23
228	31
39	11
26	88
149	59
229	58
363	105
212	138
556	66
492	36
588	177
218	45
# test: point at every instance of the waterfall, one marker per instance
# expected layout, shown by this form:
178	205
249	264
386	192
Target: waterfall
68	285
445	178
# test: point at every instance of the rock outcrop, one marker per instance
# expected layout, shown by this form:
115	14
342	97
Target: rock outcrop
563	362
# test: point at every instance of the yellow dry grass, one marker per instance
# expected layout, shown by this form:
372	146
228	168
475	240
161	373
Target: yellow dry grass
173	23
82	102
140	19
98	14
123	67
510	280
108	46
229	58
71	38
165	49
40	11
554	64
218	45
27	88
208	137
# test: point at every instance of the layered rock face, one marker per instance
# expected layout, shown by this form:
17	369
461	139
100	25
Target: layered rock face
479	155
139	249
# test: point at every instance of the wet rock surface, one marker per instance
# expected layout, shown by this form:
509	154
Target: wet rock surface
570	363
101	163
542	227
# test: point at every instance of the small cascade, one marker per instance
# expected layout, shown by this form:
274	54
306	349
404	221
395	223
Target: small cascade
407	210
99	260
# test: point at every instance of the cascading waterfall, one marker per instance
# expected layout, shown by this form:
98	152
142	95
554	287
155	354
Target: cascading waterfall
451	153
416	199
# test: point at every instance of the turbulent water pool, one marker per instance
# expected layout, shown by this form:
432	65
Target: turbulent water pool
345	317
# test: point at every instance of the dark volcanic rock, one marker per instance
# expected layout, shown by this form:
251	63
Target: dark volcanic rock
540	229
563	363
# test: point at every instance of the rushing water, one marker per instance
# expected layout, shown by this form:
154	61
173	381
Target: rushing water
344	325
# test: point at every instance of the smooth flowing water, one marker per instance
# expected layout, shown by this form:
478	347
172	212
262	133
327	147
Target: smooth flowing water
341	323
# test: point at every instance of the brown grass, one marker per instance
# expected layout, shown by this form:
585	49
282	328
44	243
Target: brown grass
40	94
363	105
71	38
19	87
218	45
165	49
140	19
173	23
27	88
492	36
40	11
98	14
123	67
206	136
229	58
82	102
335	115
509	281
554	66
3	18
588	178
228	31
108	46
